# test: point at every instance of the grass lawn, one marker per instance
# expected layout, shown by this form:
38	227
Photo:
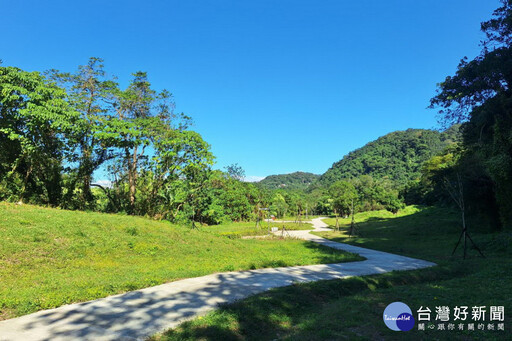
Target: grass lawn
50	257
353	308
294	217
236	230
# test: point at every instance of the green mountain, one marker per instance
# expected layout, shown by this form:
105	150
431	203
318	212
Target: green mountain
297	180
397	156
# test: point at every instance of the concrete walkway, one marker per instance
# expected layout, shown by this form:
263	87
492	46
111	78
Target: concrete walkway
138	314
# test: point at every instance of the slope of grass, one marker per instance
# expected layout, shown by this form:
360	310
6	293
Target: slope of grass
352	308
294	217
365	217
50	257
237	229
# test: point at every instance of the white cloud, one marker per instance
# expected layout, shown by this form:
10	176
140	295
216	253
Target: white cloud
104	183
253	178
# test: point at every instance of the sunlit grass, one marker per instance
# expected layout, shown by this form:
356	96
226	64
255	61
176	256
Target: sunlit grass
363	217
296	218
239	229
50	257
352	308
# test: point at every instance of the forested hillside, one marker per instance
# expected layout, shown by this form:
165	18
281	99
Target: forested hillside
397	156
297	180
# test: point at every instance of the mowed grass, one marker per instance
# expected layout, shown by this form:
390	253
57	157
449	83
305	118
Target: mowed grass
50	257
295	218
352	308
240	229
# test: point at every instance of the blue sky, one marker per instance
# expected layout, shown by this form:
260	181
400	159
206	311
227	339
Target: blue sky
275	86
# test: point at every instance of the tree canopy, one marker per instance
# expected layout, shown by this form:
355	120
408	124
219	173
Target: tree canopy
292	181
479	95
397	156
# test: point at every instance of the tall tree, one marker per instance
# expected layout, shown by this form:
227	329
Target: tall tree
155	141
135	107
343	194
180	164
35	124
236	172
480	95
279	206
92	95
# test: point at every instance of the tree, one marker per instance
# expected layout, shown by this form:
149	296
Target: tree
279	206
35	124
236	172
175	175
457	193
479	96
393	204
145	117
157	145
134	107
51	138
343	194
91	94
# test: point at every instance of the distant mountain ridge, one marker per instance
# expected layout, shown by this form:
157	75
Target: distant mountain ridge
296	180
397	156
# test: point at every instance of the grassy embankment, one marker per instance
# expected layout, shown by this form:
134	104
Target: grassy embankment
352	308
50	257
294	217
236	230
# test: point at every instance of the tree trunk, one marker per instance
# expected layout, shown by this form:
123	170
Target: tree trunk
25	182
336	226
351	229
86	188
53	185
132	178
86	170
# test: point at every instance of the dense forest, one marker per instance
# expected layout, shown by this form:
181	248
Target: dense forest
296	180
397	156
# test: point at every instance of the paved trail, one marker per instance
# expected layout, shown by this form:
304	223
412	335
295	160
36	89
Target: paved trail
138	314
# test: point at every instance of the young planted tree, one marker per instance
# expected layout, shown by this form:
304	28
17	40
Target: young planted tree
456	190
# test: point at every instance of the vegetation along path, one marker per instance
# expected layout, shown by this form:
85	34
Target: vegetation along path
138	314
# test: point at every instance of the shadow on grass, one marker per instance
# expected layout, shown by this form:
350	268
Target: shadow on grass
285	312
290	312
339	309
430	234
328	255
373	219
144	312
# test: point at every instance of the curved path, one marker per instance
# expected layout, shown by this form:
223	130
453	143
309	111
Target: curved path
138	314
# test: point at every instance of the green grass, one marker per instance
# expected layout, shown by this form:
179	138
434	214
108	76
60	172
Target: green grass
239	229
370	216
352	308
293	217
50	257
